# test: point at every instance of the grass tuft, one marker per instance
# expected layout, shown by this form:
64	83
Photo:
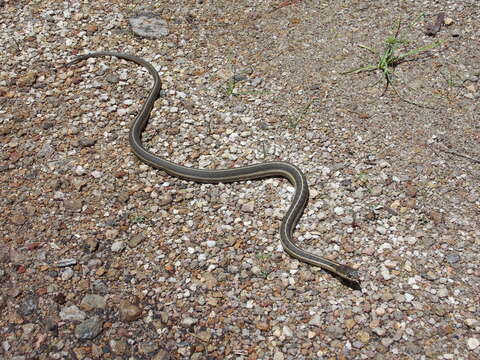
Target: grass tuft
389	59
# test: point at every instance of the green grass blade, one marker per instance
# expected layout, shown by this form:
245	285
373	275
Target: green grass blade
419	50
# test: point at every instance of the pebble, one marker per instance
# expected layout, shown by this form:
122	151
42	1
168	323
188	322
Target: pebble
363	336
316	320
248	207
28	306
148	25
188	321
473	343
118	246
381	230
240	108
335	332
89	329
118	346
278	356
129	312
165	199
66	262
92	301
67	274
111	234
72	313
453	258
287	332
27	80
97	174
162	355
136	240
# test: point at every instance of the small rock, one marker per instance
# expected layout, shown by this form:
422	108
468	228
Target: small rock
118	246
204	335
27	80
350	323
248	207
335	332
363	336
97	174
118	346
188	321
146	348
45	151
162	355
240	108
148	25
87	142
18	219
443	292
72	313
287	332
92	301
381	230
379	331
28	306
129	312
452	258
448	21
263	326
278	356
111	234
91	28
89	329
66	262
98	286
165	199
136	240
316	320
73	205
67	274
473	343
257	81
91	244
112	78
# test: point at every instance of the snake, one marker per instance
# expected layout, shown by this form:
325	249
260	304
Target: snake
250	172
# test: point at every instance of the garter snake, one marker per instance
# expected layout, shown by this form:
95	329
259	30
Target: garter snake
257	171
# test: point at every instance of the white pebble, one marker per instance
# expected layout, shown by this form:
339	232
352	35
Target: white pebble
211	243
79	170
97	174
67	274
381	230
117	246
286	331
473	343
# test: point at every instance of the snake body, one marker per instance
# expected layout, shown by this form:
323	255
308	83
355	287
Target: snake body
257	171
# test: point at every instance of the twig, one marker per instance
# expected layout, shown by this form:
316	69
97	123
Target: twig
284	4
460	155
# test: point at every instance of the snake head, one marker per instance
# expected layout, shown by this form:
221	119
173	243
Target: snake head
349	273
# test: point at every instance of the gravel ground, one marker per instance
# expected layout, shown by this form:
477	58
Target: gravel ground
103	257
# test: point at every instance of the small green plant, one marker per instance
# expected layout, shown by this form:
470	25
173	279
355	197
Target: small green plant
451	79
262	256
139	219
389	59
294	119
